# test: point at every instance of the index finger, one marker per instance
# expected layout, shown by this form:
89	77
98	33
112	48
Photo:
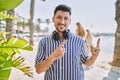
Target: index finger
63	43
98	43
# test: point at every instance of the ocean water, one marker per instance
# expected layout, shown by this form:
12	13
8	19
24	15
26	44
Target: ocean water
106	43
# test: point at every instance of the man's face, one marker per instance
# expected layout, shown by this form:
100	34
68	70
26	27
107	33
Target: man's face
61	20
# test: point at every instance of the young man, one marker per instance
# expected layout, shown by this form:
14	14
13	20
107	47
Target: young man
62	54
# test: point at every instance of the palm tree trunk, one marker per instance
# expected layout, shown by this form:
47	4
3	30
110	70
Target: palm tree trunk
116	57
9	23
31	21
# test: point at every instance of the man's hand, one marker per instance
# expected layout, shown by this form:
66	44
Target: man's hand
95	50
60	50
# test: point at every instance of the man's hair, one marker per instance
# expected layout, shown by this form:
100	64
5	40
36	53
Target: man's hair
62	7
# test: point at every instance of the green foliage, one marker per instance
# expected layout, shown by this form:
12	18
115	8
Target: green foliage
3	16
8	48
9	4
19	64
13	46
20	23
5	67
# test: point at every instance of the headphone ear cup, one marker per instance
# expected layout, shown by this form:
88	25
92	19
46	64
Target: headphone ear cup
55	36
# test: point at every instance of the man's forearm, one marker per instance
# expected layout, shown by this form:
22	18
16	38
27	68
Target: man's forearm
44	65
90	60
57	54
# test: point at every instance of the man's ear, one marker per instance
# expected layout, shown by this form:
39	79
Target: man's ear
70	21
53	19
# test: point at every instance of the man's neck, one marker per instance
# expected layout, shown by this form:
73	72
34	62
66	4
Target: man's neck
60	35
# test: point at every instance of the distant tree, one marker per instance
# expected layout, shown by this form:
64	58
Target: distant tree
9	5
39	20
47	21
116	57
31	21
9	23
22	24
37	28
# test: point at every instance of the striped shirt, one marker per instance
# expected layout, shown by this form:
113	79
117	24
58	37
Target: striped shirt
69	67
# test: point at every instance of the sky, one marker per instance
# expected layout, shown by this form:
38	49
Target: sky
95	15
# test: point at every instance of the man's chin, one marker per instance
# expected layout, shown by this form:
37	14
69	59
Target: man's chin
61	31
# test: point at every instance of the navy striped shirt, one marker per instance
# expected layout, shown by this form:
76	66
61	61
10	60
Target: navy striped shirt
69	67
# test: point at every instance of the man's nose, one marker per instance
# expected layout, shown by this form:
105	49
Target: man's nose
62	21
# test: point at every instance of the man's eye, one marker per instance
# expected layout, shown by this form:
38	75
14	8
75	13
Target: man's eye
58	17
66	18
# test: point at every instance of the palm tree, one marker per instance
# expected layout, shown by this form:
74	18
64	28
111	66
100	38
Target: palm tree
47	21
116	57
22	24
31	21
9	22
37	28
39	20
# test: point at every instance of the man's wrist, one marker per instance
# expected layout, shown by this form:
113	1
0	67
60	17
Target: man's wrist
93	57
52	58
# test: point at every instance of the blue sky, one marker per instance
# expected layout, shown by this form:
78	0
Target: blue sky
96	15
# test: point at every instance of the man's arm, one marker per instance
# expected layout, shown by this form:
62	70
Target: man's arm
44	65
90	60
95	51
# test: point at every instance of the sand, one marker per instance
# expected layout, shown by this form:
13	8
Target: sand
102	70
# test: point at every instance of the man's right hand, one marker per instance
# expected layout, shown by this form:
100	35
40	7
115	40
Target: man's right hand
59	51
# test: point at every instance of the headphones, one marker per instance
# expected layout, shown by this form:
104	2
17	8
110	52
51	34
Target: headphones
55	35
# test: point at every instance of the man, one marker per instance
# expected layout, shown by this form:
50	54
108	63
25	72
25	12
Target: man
62	54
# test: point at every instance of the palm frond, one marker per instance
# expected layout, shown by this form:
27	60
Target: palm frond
19	64
13	46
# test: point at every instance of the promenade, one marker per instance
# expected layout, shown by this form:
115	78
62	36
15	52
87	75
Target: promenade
101	70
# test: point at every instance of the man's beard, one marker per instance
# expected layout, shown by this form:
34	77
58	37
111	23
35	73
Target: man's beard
59	30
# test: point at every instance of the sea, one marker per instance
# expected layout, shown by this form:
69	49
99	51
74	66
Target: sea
107	43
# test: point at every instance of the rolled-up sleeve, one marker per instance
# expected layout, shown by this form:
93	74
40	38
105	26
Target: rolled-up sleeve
84	53
40	53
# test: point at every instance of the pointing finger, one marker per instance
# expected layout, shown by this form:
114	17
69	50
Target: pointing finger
63	43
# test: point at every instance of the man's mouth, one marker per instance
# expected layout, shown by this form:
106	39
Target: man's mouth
61	24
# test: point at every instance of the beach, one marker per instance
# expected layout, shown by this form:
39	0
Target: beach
100	70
